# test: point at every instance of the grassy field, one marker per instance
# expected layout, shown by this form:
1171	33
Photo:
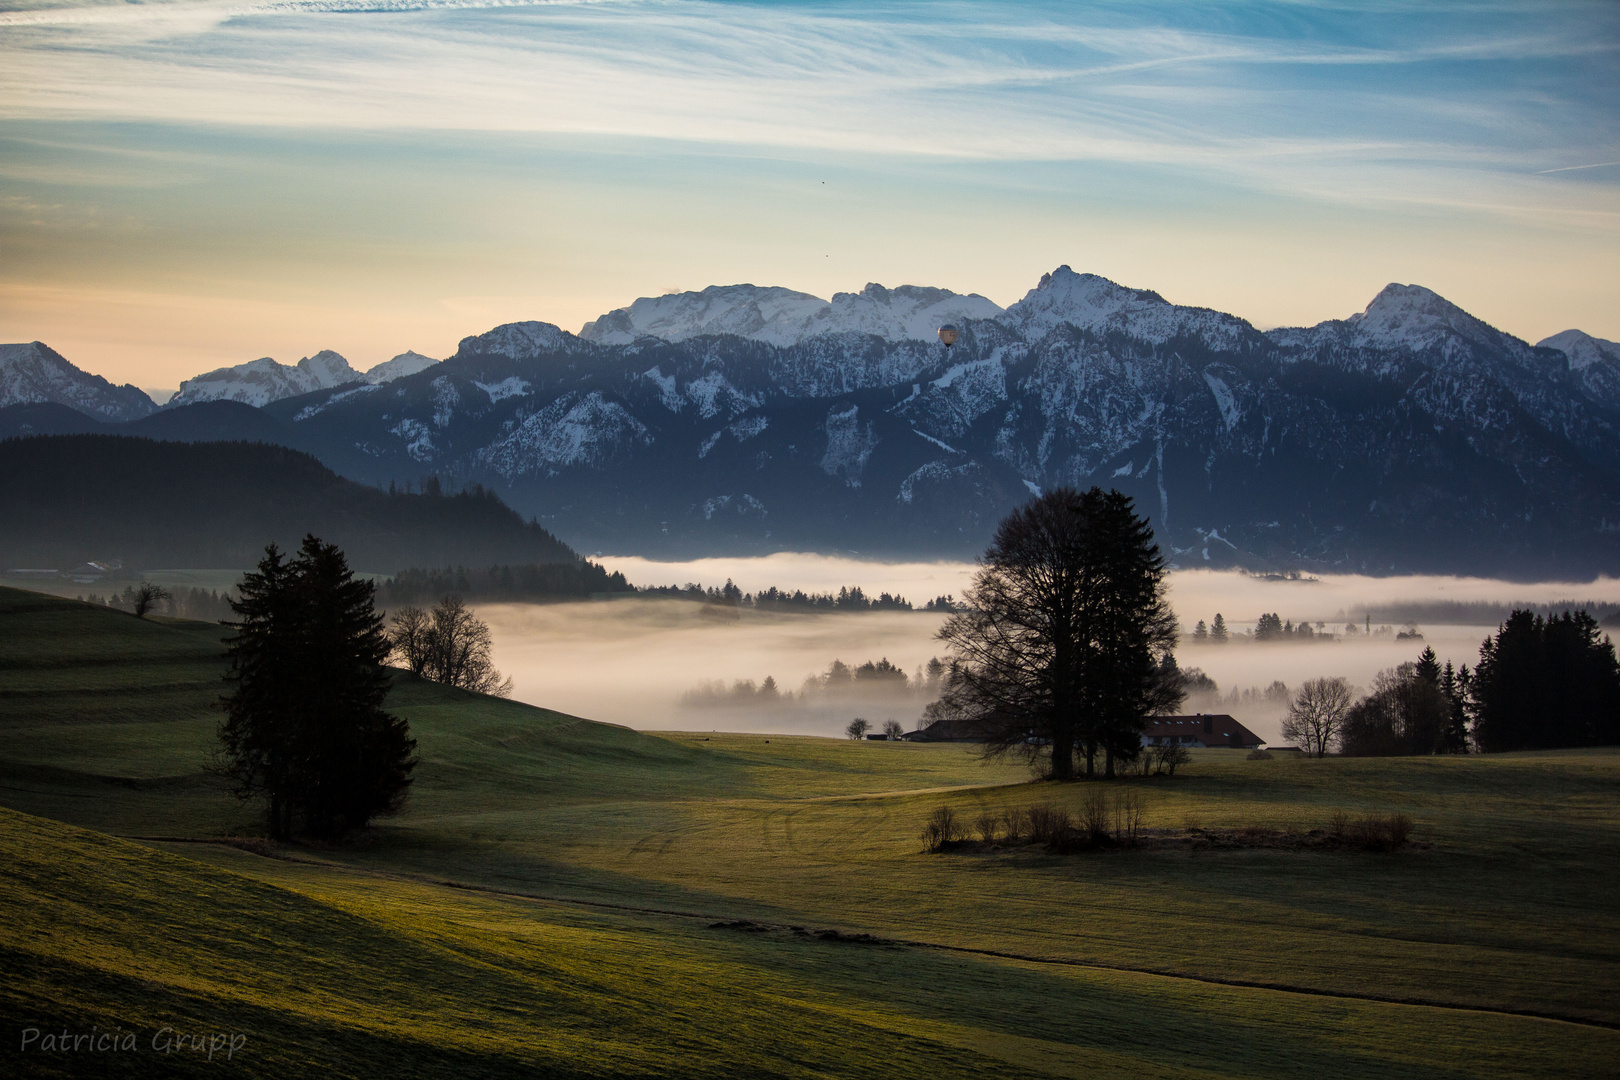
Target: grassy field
553	901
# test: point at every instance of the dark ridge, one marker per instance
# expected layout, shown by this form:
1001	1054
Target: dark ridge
69	499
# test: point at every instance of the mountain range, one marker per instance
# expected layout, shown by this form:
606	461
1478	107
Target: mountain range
1410	436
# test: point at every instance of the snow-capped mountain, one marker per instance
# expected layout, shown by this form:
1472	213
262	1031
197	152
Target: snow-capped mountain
1595	361
259	382
406	363
780	316
32	372
1095	304
1583	350
1410	436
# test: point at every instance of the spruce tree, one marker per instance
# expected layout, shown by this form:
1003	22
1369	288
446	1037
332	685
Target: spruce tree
305	724
1428	667
1217	630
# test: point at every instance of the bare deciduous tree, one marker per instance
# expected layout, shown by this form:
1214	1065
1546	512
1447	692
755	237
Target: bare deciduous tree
892	729
450	645
411	637
857	728
1315	717
147	596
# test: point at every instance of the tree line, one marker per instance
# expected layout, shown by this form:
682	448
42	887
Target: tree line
1542	683
502	584
880	676
847	598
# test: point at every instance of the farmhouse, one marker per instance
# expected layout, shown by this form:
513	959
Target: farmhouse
1200	729
952	731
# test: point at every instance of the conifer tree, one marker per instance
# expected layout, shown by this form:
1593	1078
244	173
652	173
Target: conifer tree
1217	630
305	725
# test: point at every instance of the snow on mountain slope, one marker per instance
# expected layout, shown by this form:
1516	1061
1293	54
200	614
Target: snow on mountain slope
780	316
259	382
1583	349
909	311
1594	361
406	363
763	313
33	372
1412	317
1101	306
519	340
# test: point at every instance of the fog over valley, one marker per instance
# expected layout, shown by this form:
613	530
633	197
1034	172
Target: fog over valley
653	663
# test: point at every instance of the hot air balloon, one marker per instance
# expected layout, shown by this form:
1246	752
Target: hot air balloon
947	334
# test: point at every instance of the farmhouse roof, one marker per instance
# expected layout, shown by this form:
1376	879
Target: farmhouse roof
1205	729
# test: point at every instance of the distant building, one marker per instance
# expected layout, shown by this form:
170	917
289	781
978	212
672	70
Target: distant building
952	731
877	736
1199	729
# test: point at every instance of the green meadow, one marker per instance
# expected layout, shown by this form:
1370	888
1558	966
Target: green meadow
569	898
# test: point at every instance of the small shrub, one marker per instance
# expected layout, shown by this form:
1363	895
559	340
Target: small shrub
942	828
1127	817
1048	824
1095	814
1192	823
1168	756
1259	754
1339	825
1399	827
986	824
1015	822
1368	831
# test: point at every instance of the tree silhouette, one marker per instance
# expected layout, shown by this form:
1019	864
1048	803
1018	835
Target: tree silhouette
1546	683
147	596
304	722
1316	715
448	645
1060	648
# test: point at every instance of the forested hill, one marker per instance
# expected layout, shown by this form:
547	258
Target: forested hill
69	499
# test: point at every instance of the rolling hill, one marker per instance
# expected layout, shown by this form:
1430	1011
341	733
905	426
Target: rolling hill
68	499
573	899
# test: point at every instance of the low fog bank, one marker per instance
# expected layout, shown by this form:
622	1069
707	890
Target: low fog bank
654	664
676	664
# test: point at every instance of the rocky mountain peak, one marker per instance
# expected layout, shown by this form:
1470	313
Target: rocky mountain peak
328	369
784	317
1414	317
1092	302
519	340
406	363
1582	348
33	373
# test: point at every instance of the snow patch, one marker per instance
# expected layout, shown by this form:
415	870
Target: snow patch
575	430
418	439
849	446
748	427
1224	400
512	387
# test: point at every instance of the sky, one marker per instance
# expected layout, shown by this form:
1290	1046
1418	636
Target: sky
186	184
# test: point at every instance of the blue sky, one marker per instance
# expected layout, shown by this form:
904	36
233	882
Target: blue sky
192	183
